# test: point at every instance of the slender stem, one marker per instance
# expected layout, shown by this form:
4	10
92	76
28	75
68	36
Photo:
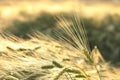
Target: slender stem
57	77
98	72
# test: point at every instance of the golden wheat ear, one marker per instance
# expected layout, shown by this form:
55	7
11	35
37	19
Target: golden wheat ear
73	32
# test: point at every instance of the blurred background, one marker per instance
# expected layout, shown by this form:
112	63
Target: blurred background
101	19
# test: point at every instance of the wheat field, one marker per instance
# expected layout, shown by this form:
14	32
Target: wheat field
44	58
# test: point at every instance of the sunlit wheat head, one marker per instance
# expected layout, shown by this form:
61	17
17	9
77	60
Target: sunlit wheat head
73	32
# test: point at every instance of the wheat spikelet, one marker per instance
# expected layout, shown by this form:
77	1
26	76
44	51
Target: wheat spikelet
97	56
